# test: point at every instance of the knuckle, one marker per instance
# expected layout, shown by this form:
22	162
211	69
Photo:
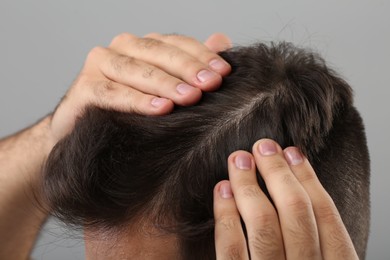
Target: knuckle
288	179
188	38
120	62
306	236
298	203
148	43
265	218
82	80
335	238
307	251
327	213
249	191
96	52
148	72
265	242
135	101
130	95
234	252
153	35
104	90
82	86
108	86
337	242
180	37
306	177
228	223
175	53
122	38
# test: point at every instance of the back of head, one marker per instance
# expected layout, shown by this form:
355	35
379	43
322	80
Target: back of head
117	168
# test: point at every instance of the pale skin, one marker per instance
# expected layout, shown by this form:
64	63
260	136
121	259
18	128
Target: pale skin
148	75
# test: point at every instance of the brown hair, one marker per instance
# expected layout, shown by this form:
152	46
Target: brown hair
116	167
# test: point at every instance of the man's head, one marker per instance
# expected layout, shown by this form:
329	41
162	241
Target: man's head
139	176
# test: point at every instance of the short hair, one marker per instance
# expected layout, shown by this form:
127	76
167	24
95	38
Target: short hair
115	168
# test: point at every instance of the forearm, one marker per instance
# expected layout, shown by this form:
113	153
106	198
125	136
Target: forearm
21	159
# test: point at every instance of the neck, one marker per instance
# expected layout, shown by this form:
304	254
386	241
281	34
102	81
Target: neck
131	243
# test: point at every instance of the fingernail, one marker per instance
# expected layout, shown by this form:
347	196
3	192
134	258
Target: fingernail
267	147
158	102
243	162
217	64
293	156
184	89
225	190
205	75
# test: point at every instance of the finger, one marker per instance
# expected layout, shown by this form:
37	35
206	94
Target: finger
197	50
230	241
261	221
107	94
294	208
143	77
334	238
168	58
218	42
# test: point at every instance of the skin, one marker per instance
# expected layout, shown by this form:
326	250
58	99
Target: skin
303	224
132	74
149	75
137	241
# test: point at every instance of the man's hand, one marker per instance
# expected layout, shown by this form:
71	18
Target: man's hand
141	75
303	224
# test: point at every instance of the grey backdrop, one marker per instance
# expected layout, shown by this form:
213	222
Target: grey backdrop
44	43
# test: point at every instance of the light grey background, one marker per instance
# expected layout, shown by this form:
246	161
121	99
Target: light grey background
43	45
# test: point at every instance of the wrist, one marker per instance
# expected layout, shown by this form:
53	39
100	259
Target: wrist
42	136
21	159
